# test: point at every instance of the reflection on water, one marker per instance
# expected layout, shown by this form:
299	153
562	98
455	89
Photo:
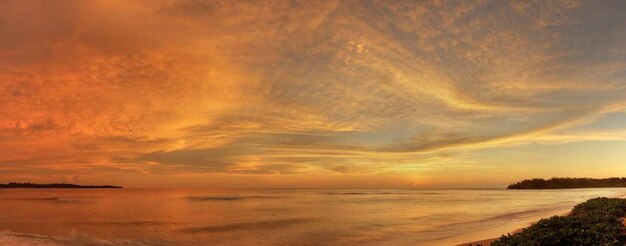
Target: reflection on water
273	216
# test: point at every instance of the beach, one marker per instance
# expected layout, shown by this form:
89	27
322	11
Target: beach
486	242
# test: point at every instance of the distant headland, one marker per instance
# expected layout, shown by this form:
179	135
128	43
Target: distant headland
568	183
60	185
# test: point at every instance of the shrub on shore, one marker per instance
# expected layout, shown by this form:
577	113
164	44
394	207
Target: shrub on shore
595	222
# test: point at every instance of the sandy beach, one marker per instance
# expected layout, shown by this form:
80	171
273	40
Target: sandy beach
486	242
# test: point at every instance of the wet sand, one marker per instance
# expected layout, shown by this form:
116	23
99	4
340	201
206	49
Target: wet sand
484	242
487	242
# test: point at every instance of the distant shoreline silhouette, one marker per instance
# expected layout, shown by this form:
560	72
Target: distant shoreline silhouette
568	183
58	185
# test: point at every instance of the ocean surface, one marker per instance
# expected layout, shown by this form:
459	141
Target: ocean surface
274	216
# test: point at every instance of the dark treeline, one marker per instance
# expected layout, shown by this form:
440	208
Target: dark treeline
568	183
31	185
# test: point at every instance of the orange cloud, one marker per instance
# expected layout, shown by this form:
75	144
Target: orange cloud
276	92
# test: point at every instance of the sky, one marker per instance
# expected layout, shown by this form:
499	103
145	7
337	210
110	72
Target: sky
311	94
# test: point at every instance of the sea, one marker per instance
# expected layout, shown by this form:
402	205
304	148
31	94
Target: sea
130	216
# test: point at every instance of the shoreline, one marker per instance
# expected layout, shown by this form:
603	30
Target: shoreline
484	242
489	241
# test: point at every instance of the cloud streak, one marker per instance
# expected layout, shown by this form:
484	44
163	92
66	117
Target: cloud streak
289	89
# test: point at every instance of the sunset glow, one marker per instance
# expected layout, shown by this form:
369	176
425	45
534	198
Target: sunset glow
356	94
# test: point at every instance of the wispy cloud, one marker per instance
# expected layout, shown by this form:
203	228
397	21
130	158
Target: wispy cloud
286	89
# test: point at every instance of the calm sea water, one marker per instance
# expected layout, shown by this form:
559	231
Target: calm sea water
273	216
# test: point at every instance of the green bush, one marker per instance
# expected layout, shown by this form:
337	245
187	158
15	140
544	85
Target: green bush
602	206
595	222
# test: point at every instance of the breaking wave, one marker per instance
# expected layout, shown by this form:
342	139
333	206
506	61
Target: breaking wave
23	239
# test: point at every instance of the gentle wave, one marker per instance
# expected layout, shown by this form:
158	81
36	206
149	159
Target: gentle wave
508	216
228	198
56	199
41	199
256	225
124	223
360	193
518	214
19	239
23	239
382	193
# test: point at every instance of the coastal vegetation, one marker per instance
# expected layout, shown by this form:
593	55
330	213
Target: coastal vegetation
595	222
57	185
568	183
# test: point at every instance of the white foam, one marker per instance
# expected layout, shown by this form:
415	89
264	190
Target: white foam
8	238
19	239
